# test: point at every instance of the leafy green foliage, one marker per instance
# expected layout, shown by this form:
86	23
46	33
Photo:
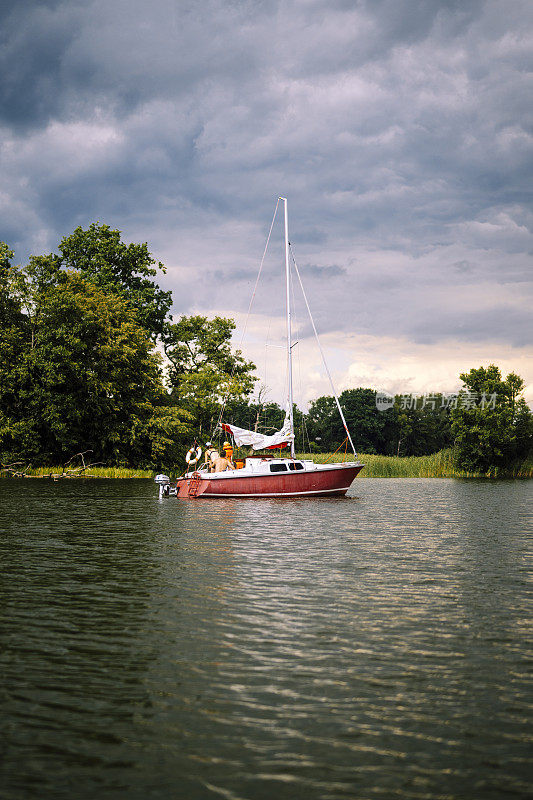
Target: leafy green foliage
101	257
78	370
17	431
362	416
493	426
411	431
204	370
364	421
420	430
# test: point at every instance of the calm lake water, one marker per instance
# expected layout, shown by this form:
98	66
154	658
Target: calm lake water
368	647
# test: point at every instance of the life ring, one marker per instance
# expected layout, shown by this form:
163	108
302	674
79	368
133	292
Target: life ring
193	456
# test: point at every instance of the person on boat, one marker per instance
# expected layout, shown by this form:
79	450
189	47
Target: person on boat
228	451
211	455
222	463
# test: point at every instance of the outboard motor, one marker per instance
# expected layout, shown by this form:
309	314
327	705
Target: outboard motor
164	485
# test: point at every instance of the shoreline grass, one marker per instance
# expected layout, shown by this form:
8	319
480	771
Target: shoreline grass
92	472
437	465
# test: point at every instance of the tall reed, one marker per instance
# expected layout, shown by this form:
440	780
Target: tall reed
92	472
436	465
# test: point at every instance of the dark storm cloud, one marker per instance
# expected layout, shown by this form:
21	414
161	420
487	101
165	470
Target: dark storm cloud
34	38
401	130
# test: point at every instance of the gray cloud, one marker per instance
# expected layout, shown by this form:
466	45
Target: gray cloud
500	323
323	272
401	130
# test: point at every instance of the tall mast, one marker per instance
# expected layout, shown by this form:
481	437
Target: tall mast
289	342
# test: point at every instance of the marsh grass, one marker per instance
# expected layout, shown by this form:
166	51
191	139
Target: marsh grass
92	472
437	465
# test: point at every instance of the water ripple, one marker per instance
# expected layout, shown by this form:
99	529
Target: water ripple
371	647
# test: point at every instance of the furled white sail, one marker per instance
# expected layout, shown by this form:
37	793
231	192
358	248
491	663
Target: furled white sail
260	441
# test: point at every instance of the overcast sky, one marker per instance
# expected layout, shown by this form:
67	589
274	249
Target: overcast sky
399	130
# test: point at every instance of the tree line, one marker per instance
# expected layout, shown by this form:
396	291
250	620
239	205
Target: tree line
82	332
487	422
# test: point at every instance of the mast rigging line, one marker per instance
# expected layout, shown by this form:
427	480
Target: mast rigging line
247	315
322	352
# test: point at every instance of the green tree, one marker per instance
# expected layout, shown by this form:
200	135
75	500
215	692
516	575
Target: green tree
324	424
420	430
402	430
17	430
204	370
366	424
100	256
79	371
492	425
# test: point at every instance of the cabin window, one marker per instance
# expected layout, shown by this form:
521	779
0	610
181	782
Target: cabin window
296	465
278	468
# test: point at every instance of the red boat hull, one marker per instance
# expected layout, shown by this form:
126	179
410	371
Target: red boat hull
330	480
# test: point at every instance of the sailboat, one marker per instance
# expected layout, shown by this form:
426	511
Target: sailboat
266	475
